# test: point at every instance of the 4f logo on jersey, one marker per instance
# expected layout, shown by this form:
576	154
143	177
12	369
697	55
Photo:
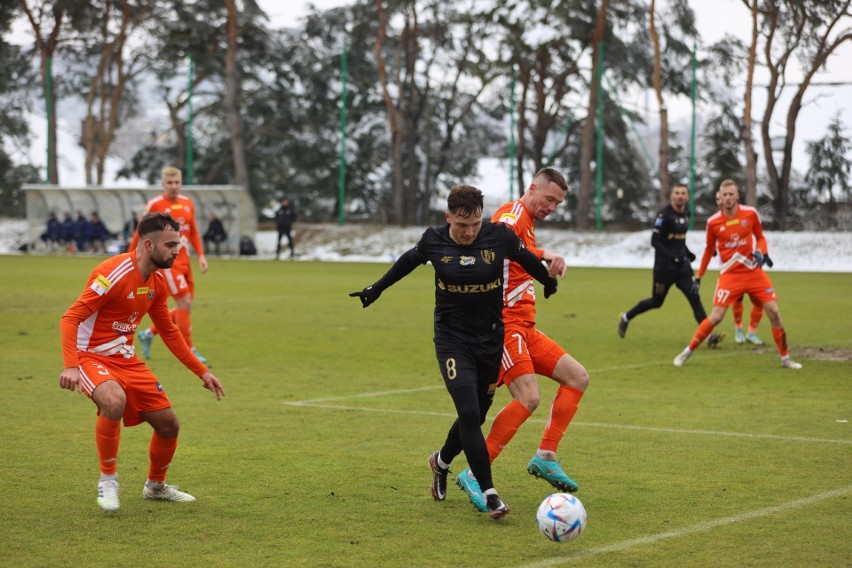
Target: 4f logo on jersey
488	256
446	259
467	261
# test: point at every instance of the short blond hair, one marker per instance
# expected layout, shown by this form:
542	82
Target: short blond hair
170	171
726	183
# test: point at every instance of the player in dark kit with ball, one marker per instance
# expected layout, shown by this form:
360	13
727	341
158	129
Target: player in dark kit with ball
467	255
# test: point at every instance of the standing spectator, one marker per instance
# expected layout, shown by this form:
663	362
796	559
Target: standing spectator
215	232
52	234
285	216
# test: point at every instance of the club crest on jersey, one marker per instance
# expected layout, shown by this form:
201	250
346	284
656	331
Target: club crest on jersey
467	261
743	222
446	259
488	256
100	285
150	295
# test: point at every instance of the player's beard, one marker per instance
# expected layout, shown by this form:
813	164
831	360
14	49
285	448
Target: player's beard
166	262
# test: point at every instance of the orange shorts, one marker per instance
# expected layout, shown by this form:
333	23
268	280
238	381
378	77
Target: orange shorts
527	351
144	392
732	287
179	280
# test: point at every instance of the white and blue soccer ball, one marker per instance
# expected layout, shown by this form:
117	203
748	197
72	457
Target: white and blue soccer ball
561	517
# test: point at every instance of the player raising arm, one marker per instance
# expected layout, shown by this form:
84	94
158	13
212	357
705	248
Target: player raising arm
467	255
100	360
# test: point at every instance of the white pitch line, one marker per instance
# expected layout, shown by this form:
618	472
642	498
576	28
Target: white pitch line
628	544
588	424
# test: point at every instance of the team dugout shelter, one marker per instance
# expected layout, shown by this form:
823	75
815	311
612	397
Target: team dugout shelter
115	206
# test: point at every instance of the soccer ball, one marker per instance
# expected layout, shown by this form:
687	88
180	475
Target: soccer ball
561	517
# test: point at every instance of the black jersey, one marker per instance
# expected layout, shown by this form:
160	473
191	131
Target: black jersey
469	279
669	238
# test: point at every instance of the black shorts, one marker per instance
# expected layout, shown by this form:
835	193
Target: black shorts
466	359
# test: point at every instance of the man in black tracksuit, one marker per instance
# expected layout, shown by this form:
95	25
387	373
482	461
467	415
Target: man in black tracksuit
467	255
671	263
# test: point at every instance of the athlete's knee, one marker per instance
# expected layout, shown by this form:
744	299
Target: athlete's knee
110	399
657	301
169	427
524	389
530	400
571	373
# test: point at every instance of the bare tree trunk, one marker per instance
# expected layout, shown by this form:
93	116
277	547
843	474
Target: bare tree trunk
232	113
395	122
664	115
47	47
524	75
584	199
748	135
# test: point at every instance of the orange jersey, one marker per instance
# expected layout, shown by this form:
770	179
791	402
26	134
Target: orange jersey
518	288
734	237
104	318
182	211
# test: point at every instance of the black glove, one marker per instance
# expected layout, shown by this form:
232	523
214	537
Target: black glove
368	295
550	288
696	282
759	259
690	256
768	261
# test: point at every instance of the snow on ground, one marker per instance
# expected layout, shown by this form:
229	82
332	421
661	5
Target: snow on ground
790	251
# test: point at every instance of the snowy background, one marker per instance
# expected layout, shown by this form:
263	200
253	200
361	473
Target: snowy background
790	251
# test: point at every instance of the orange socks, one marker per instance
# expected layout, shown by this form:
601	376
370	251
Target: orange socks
756	314
561	413
704	329
780	337
505	426
107	435
160	451
181	318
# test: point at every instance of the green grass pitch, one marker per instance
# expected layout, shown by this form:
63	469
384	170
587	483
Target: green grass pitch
317	455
